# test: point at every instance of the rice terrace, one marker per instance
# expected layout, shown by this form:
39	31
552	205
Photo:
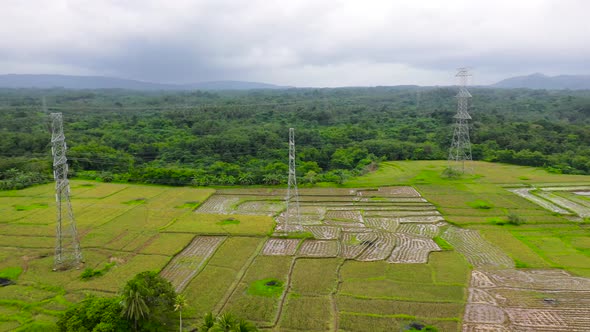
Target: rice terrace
505	248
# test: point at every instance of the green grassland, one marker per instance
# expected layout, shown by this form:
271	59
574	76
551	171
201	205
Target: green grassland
313	294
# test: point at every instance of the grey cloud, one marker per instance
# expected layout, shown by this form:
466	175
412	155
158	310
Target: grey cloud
306	43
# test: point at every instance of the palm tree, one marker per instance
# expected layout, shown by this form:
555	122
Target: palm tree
134	306
179	303
208	322
224	323
244	326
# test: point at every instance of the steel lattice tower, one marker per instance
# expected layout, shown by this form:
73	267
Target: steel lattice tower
67	246
460	150
292	216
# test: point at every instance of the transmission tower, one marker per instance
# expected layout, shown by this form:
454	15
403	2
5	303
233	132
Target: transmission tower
460	150
67	246
292	216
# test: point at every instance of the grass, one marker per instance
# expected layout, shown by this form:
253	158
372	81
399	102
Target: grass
314	276
168	244
11	273
392	307
480	204
269	287
379	323
23	241
207	290
254	307
119	274
235	251
442	243
518	250
260	309
297	235
189	205
202	223
89	272
306	313
558	252
27	294
32	206
220	274
449	267
228	221
136	201
378	296
387	289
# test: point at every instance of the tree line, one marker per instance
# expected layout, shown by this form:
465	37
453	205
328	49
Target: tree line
230	138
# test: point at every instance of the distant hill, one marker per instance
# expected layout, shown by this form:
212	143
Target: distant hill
233	85
100	82
540	81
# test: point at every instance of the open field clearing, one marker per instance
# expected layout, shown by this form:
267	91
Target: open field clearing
370	257
538	300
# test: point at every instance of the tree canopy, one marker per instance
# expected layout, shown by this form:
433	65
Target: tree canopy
227	138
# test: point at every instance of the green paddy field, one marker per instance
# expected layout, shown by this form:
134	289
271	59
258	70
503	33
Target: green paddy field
133	228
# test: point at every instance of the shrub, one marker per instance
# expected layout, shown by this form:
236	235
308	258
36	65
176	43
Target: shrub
451	173
89	273
480	204
515	219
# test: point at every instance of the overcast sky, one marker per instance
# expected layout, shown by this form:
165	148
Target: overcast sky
296	42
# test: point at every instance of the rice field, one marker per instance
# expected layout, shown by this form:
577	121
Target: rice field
537	300
399	246
184	266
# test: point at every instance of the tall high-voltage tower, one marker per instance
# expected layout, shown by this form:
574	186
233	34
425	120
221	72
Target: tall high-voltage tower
460	150
292	216
67	246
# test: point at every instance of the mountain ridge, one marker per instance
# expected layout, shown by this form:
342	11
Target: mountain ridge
104	82
541	81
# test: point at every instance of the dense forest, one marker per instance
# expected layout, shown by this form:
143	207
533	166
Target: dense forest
226	138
